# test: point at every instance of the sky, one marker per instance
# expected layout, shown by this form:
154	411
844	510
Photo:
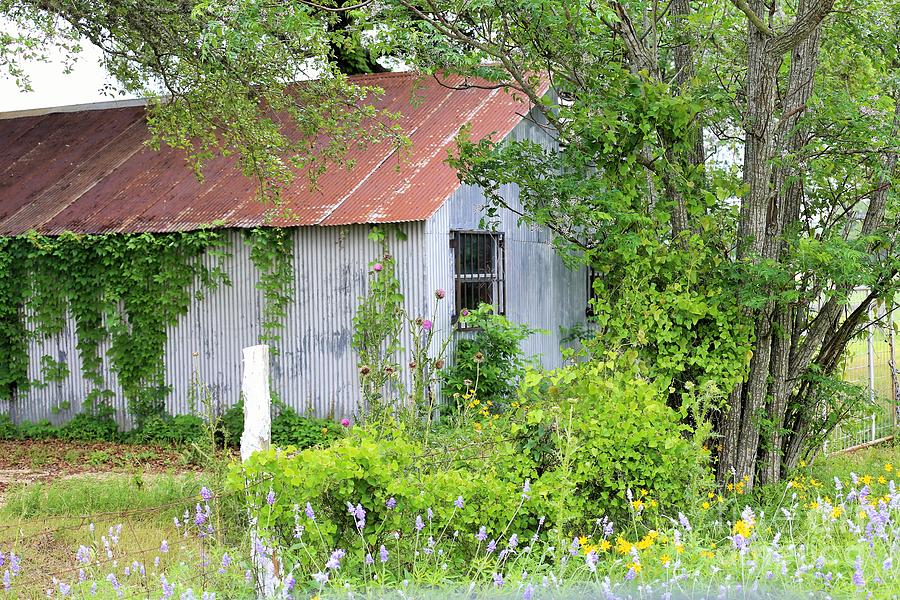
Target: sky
52	87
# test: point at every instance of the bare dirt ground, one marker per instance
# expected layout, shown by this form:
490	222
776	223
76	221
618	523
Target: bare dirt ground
23	462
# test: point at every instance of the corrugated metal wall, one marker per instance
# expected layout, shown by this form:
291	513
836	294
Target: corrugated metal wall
315	368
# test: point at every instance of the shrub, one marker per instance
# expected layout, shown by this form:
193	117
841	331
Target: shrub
40	430
614	435
288	427
166	430
492	359
91	427
8	429
369	470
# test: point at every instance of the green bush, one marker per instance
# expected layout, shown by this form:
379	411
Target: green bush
366	469
40	430
613	435
492	359
8	429
166	430
288	427
91	427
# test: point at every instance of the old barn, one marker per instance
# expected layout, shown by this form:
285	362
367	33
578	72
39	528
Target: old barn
87	170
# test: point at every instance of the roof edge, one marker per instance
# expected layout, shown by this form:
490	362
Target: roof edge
37	112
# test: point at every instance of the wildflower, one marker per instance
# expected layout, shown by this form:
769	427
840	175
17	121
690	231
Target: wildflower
528	594
492	545
888	467
391	503
482	534
369	560
320	577
858	579
420	524
226	562
526	489
888	564
464	312
439	293
427	325
206	494
742	527
430	514
164	547
64	589
630	575
365	370
82	555
7	580
168	589
377	267
684	522
309	512
345	422
591	561
383	554
513	541
334	561
270	498
458	503
498	579
478	358
389	370
439	363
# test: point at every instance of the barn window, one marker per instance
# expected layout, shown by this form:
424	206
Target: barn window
479	266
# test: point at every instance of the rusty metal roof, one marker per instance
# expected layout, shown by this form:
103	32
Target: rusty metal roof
90	171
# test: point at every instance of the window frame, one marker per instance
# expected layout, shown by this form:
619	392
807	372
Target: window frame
497	276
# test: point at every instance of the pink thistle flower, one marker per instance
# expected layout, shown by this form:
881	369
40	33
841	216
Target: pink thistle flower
440	293
377	267
427	325
345	422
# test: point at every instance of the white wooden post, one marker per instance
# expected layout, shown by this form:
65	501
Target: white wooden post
257	436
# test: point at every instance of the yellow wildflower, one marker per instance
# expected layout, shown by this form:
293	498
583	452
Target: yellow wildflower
866	479
836	512
664	559
635	566
679	548
742	527
705	505
605	545
888	467
638	505
706	554
582	541
882	480
623	546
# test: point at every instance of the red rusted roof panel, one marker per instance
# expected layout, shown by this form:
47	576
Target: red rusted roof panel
90	172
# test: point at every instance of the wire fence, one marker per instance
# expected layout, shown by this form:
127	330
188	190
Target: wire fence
871	362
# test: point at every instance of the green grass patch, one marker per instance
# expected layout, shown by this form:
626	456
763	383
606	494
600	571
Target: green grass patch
100	494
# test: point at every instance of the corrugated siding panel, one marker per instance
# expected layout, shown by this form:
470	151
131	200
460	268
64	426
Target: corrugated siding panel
315	368
540	290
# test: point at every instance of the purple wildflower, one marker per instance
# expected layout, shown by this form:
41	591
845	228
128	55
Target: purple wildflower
630	574
513	541
377	267
420	524
491	546
226	562
684	522
83	555
168	589
334	562
482	534
320	577
289	583
383	554
369	559
345	422
858	579
498	580
199	516
439	293
391	503
309	512
528	594
458	503
7	580
430	514
526	489
591	561
205	494
164	547
270	497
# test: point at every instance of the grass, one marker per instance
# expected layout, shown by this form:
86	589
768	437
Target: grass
99	493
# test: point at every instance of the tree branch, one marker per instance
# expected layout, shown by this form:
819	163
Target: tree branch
753	17
801	29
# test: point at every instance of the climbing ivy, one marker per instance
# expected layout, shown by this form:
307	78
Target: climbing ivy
272	253
124	290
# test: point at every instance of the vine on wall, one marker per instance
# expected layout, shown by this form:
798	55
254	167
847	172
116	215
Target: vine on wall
272	253
126	289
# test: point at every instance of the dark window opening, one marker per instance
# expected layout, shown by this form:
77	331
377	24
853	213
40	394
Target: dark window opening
479	268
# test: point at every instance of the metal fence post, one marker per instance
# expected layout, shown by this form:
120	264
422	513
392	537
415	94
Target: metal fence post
257	435
892	364
870	338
